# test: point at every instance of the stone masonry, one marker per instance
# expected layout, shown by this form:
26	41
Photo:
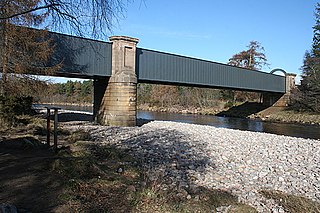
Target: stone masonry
117	106
281	100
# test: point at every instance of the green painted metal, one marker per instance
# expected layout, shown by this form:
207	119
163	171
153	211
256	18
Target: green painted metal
91	59
154	66
82	57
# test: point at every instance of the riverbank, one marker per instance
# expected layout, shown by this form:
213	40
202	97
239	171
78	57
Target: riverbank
247	165
183	110
289	116
248	110
159	167
68	104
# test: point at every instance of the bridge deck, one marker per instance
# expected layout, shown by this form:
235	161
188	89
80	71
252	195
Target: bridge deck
89	58
163	67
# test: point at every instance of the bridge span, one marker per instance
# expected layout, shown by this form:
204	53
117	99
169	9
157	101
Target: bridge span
117	66
90	59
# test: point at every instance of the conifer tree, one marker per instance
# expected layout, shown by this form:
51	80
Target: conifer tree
309	96
253	58
23	50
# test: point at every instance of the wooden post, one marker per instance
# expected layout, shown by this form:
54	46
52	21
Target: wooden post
55	135
48	126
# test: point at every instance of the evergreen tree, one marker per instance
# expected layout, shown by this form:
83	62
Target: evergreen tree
309	96
253	58
23	50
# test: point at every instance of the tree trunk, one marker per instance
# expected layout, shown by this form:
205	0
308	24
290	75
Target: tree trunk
4	57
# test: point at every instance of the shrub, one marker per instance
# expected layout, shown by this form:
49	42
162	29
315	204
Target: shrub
13	106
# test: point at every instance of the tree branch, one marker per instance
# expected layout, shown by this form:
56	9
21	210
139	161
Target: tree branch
30	11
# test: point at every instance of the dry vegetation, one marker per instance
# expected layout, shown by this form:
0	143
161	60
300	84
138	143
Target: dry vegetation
290	116
292	203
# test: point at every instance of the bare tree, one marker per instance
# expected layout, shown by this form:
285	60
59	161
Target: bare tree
24	50
94	18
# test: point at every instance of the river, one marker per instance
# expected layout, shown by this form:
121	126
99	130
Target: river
295	130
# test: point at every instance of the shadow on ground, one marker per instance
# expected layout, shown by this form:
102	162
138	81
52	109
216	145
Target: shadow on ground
171	168
26	178
67	116
244	110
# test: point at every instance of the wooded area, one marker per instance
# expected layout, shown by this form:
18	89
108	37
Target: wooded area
26	48
71	92
152	95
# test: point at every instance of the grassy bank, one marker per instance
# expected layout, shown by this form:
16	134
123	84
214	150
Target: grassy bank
291	116
184	110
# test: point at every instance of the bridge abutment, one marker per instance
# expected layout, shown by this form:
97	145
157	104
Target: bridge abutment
281	100
116	101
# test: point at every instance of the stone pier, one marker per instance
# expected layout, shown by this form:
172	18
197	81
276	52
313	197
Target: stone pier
115	101
281	100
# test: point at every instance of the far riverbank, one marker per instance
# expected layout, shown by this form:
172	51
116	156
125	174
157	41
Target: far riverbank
272	114
292	117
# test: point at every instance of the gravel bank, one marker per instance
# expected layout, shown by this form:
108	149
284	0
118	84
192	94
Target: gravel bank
240	162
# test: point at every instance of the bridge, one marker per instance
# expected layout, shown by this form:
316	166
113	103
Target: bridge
117	66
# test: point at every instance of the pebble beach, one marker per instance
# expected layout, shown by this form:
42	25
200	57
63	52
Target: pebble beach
239	162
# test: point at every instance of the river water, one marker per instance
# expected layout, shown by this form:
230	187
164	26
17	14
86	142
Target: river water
295	130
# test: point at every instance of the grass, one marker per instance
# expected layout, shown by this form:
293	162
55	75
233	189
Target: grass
205	200
292	203
291	116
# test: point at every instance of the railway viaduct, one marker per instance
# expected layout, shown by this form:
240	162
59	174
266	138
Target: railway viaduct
117	66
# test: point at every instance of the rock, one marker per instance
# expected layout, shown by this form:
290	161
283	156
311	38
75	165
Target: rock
186	156
143	183
120	170
131	188
223	209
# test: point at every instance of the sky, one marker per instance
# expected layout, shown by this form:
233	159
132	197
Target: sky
217	29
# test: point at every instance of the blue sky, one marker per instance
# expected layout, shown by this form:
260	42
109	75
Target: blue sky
217	29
